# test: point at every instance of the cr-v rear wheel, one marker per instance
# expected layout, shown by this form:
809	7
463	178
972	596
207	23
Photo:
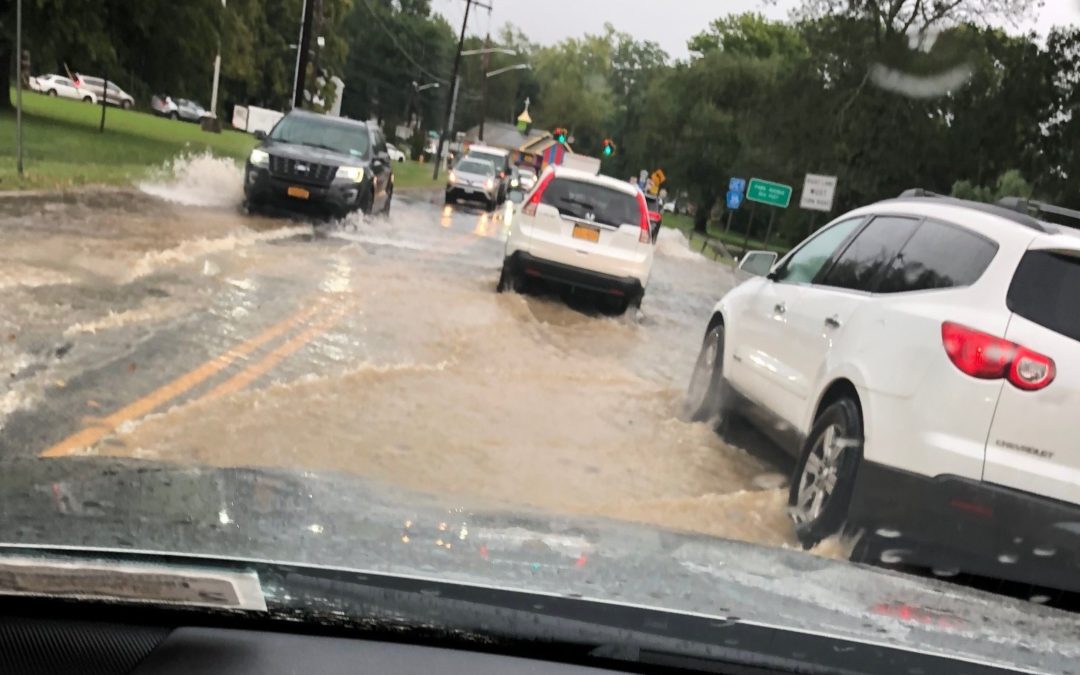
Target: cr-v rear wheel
704	396
509	280
824	476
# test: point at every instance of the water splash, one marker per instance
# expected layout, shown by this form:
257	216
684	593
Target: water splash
674	244
194	249
198	180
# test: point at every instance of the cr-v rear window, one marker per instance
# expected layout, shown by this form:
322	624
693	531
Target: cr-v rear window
1046	290
589	201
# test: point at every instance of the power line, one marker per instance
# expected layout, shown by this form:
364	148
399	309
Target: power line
400	48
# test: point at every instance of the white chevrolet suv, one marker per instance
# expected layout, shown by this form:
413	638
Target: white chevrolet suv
584	230
920	359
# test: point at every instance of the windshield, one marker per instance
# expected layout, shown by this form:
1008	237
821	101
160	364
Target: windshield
475	166
381	295
321	132
497	160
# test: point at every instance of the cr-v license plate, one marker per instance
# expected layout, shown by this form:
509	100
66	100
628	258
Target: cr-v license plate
587	233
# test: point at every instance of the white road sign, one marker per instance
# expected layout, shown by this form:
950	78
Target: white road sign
818	192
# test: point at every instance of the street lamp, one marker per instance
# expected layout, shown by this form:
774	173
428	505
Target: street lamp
490	50
483	95
456	82
500	71
417	88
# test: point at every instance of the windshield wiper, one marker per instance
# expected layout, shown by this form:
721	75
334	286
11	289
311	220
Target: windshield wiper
325	147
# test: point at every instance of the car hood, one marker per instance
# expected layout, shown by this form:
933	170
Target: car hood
348	522
307	153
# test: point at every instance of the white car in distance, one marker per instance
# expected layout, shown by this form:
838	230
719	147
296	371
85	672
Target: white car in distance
582	230
920	358
395	154
64	87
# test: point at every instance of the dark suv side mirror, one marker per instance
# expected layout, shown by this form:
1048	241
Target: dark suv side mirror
260	135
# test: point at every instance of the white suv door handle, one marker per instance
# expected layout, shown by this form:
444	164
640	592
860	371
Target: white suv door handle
780	308
832	321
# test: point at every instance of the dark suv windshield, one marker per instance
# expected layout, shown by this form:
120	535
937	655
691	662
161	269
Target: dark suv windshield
322	132
581	200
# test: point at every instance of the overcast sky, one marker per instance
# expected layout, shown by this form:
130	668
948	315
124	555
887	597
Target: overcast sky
669	22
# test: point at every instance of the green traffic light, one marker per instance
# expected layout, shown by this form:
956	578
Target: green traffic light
607	150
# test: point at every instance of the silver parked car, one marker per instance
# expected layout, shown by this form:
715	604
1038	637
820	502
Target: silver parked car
114	96
473	178
189	110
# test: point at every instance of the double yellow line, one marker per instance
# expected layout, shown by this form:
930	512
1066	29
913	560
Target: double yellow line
324	319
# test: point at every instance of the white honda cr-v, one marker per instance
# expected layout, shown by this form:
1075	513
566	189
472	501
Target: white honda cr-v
583	230
920	359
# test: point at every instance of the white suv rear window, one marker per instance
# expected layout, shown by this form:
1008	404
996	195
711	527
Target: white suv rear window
1046	290
589	201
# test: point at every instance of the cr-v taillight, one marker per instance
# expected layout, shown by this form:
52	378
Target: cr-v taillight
987	357
534	200
645	235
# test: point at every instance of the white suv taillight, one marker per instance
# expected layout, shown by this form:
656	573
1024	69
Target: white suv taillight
987	357
529	208
645	235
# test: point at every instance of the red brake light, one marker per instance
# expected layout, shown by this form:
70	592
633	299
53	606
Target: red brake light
986	357
530	207
645	236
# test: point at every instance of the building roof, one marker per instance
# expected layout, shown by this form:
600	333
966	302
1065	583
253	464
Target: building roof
503	135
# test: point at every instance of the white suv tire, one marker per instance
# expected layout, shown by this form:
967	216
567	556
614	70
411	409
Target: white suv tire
706	393
824	475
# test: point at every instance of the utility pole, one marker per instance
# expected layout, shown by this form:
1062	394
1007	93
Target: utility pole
104	103
483	85
217	73
453	87
302	47
18	88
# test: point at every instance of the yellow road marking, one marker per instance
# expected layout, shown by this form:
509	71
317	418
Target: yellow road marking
275	356
167	392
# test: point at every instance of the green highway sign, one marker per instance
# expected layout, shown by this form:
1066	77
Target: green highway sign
765	192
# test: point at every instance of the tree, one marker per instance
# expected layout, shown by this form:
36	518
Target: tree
56	31
921	17
1009	184
392	45
575	85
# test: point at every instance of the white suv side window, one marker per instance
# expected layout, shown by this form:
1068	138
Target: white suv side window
804	264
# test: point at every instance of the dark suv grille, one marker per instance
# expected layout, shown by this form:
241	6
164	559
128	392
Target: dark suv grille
299	170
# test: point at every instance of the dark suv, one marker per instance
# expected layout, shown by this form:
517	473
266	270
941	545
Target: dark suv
315	162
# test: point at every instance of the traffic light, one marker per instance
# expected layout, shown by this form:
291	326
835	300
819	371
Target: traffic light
560	134
609	147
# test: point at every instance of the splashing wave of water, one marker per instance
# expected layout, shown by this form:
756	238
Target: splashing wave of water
198	180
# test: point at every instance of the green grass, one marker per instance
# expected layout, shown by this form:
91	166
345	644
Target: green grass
686	225
62	146
412	175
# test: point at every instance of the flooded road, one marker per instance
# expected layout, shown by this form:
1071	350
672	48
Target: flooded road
156	324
